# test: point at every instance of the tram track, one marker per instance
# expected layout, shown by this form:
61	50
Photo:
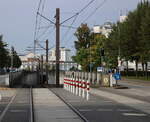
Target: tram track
19	108
70	106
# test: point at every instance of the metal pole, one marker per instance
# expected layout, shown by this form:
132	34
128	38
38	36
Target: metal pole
11	74
12	59
41	68
47	61
57	45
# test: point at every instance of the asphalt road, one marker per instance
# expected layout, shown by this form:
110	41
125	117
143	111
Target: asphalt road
16	109
100	109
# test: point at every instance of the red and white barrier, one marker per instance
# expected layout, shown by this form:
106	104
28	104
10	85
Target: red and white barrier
77	84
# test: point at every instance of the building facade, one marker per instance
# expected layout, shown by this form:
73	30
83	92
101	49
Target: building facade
66	62
29	62
104	29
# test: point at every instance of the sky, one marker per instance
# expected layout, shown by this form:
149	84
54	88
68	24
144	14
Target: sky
18	18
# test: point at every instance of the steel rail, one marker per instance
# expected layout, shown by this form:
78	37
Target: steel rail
71	107
31	106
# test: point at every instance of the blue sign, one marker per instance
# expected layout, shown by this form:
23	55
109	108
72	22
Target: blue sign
117	76
100	69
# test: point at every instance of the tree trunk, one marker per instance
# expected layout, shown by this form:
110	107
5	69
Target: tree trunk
146	70
127	68
143	69
136	63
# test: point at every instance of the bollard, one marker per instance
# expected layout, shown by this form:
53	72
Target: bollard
67	81
77	85
83	84
70	87
73	83
111	80
88	87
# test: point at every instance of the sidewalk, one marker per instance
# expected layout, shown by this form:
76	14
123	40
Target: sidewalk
48	107
102	109
128	101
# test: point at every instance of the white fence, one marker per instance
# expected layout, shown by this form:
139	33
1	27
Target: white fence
79	82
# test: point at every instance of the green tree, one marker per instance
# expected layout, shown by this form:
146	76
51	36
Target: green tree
4	54
16	60
88	47
145	37
129	38
83	35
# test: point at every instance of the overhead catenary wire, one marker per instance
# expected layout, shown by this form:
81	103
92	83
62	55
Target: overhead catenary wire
39	24
74	17
36	26
65	35
36	23
93	12
44	32
78	12
69	26
46	18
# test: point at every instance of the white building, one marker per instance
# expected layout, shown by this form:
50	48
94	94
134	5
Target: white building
122	18
65	54
29	61
104	29
65	58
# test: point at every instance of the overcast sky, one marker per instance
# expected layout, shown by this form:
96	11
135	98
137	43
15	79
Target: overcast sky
17	21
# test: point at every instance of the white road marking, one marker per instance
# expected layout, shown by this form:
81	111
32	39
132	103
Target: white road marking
134	114
17	111
64	110
124	110
85	109
104	109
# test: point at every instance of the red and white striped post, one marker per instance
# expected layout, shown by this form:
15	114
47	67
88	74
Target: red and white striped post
88	86
69	78
83	84
65	86
77	85
73	82
80	83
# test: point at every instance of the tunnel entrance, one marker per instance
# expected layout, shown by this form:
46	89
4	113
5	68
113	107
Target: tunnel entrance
25	79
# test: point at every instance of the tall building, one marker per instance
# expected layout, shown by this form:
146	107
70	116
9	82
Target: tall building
66	62
122	18
104	29
29	61
65	54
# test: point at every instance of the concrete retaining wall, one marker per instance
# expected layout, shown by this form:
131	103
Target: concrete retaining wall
4	80
94	77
